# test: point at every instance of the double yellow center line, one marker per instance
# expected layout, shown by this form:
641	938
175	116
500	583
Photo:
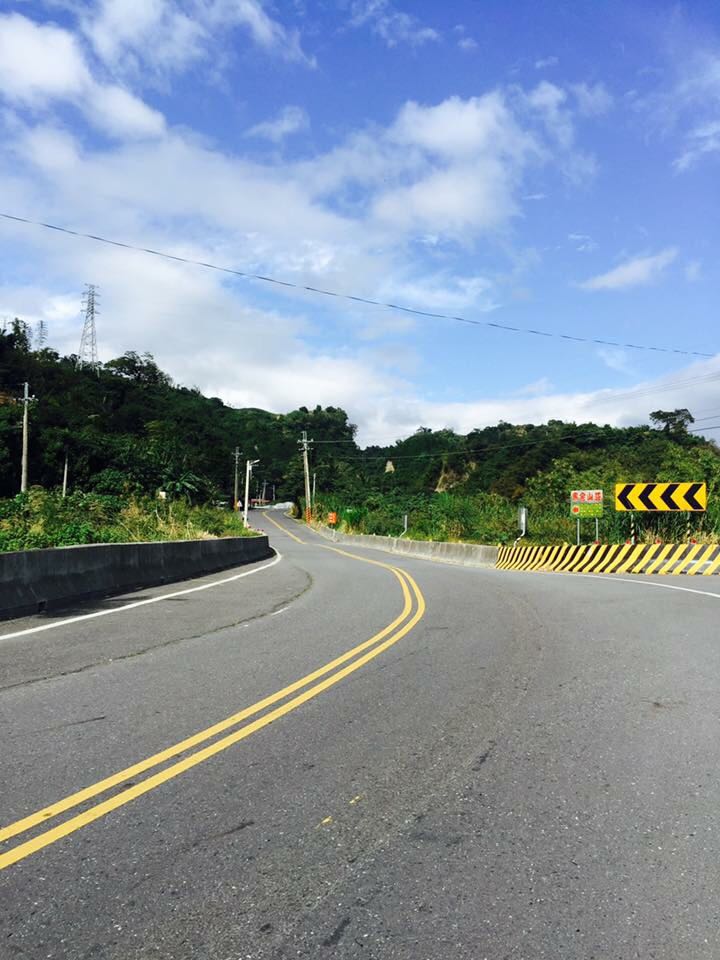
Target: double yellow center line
289	699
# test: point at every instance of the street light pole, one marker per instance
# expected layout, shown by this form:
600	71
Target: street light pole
235	494
249	464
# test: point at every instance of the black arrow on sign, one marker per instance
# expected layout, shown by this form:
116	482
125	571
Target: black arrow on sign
623	496
690	496
667	496
644	497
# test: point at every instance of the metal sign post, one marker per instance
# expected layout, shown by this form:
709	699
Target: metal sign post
522	520
586	503
522	524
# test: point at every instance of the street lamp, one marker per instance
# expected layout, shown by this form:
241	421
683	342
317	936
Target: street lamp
249	464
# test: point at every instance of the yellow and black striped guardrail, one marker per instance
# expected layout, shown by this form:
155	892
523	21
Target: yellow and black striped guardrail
667	558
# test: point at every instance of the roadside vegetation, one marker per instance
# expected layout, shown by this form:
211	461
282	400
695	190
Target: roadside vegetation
127	432
39	518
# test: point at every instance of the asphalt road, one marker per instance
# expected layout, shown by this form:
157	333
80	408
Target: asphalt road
323	757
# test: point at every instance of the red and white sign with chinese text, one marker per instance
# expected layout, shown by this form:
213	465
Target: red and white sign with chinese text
586	496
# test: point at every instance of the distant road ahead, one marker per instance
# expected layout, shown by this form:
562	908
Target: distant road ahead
325	756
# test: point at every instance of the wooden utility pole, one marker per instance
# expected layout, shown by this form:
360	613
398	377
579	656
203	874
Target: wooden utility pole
25	400
306	467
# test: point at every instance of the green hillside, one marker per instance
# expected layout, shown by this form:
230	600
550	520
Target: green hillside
128	431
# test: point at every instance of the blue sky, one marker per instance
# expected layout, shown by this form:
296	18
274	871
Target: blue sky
553	167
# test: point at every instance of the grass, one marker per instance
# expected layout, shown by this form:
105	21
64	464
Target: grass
40	519
489	518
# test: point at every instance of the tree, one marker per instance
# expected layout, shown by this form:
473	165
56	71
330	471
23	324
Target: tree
20	334
141	369
672	421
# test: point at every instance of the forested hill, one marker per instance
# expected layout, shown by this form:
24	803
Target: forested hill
128	428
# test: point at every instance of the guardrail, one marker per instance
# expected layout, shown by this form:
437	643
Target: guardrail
33	580
669	558
465	554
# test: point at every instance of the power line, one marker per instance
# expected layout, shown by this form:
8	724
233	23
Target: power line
346	296
623	395
388	455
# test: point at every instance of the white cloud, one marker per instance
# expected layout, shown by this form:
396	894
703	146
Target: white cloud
154	33
266	32
475	197
592	101
289	120
639	271
464	41
442	293
692	271
685	105
393	26
49	148
40	64
536	389
462	128
696	387
550	100
545	62
699	142
583	243
477	150
169	35
352	218
119	113
615	358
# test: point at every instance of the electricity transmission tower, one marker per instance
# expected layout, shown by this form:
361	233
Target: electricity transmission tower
41	335
88	355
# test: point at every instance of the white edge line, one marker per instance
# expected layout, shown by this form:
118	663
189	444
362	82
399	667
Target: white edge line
138	603
645	583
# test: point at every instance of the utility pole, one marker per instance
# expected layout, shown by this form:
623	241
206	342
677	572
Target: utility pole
236	454
306	467
313	490
25	400
263	490
249	464
65	476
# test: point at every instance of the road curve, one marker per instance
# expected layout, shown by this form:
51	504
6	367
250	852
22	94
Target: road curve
348	755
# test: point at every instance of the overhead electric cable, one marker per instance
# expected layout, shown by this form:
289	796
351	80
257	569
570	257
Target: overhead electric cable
346	296
635	393
481	450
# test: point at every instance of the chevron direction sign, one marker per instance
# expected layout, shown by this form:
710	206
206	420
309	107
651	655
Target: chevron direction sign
661	497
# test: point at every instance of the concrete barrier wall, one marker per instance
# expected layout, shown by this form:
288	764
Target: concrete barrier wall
32	580
465	554
669	558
